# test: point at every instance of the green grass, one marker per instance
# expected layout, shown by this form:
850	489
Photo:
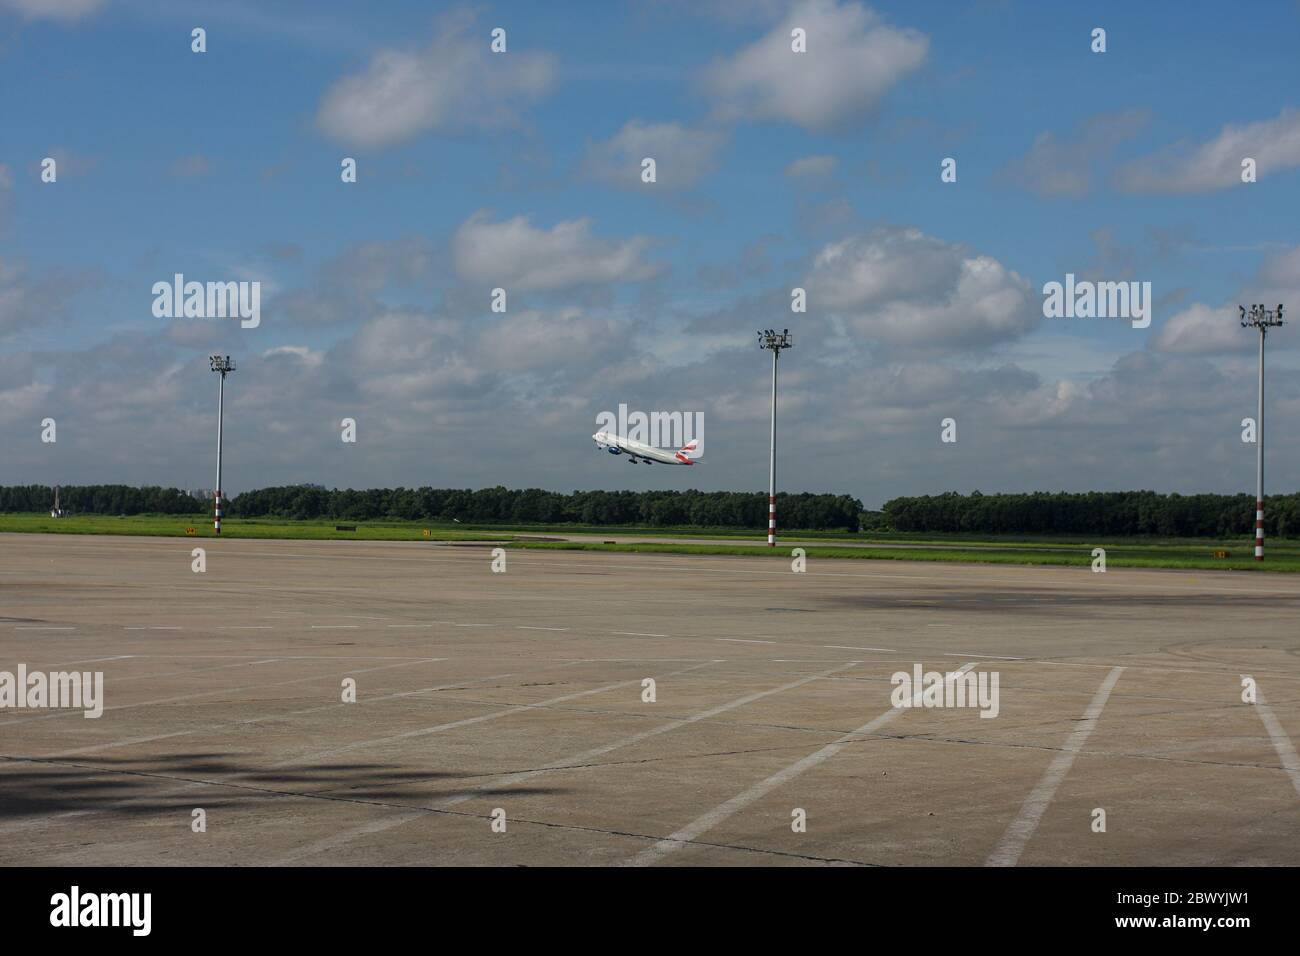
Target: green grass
1073	551
1118	555
179	525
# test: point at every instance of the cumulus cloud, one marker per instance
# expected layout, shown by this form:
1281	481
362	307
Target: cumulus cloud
28	301
812	167
65	10
1274	144
67	162
191	167
455	82
516	255
683	156
1063	165
902	287
348	286
852	60
1204	329
558	341
6	193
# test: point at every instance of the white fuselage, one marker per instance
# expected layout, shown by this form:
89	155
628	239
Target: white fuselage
636	451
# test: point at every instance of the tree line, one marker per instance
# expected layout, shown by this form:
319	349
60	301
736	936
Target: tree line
713	509
101	500
1094	513
1123	513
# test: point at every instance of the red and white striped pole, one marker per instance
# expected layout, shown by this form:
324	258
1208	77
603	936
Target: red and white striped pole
771	469
223	366
1259	454
1259	531
776	341
1262	319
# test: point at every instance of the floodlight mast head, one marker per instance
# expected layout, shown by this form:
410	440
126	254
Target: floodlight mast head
774	340
221	363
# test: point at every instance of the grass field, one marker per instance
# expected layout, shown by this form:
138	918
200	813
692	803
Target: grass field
1281	557
200	526
1066	550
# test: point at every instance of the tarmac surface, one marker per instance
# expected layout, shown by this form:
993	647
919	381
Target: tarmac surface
505	718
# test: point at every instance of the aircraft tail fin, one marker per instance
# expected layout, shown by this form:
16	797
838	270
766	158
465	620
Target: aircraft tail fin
690	452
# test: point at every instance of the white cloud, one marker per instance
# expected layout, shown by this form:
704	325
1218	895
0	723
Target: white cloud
6	192
66	10
455	82
852	60
28	301
1274	144
902	287
1203	329
683	156
564	340
308	356
516	255
812	167
1063	165
67	162
191	167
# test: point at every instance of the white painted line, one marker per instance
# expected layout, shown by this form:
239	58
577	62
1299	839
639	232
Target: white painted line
846	647
525	627
637	634
44	628
1008	851
56	715
44	820
708	821
741	640
992	657
565	763
469	721
1281	742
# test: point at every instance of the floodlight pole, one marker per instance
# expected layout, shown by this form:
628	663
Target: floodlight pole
1263	319
1259	454
776	341
224	365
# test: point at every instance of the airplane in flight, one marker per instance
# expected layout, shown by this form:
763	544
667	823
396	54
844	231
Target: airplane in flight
617	445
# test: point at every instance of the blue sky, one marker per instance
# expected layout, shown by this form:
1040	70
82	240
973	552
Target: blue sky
520	170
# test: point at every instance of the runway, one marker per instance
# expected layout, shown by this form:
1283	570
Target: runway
506	719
